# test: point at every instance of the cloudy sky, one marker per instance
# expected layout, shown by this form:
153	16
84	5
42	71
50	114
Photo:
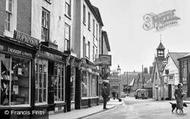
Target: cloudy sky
131	45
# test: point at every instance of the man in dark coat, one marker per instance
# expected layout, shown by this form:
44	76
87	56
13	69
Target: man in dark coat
105	94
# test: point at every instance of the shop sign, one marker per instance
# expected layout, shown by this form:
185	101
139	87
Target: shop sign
19	52
103	60
160	21
25	38
53	56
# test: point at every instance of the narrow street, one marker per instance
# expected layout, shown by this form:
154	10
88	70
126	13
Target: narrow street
142	109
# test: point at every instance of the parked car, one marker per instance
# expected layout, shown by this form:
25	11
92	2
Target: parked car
141	93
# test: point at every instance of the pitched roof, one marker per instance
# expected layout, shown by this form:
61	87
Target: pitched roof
176	55
161	46
98	15
104	33
185	56
95	11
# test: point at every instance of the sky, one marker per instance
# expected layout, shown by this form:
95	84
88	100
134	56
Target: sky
132	46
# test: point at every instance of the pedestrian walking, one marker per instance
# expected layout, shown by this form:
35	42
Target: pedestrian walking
179	96
105	94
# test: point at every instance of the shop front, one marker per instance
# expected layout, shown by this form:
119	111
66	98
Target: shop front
72	83
50	79
89	84
16	74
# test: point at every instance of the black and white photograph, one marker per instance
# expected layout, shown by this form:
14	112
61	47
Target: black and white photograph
94	59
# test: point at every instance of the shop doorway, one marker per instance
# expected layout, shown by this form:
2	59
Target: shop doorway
50	86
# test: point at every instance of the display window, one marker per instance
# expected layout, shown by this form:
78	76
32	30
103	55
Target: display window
59	82
72	82
15	76
94	86
41	80
84	84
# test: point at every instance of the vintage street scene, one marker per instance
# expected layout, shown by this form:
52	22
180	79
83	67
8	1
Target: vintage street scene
94	59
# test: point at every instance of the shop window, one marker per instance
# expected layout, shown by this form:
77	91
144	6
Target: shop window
41	81
94	85
14	80
84	84
89	83
72	84
59	82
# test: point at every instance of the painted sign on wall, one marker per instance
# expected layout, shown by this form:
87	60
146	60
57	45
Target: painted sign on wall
160	21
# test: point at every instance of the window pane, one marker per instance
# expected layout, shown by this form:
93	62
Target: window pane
20	81
45	25
41	81
84	85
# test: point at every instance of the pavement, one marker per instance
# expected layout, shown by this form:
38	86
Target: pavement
82	113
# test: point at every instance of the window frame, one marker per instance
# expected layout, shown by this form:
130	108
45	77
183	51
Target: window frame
84	46
93	32
58	89
89	49
9	10
84	14
10	88
45	25
68	11
89	21
42	62
67	41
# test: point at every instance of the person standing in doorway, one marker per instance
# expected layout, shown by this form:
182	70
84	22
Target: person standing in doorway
105	94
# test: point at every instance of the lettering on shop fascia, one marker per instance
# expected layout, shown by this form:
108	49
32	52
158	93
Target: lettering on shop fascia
25	38
160	21
19	52
53	56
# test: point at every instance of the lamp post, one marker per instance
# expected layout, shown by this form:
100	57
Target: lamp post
119	72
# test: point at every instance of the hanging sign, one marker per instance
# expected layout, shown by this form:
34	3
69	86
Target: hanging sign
160	21
103	60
